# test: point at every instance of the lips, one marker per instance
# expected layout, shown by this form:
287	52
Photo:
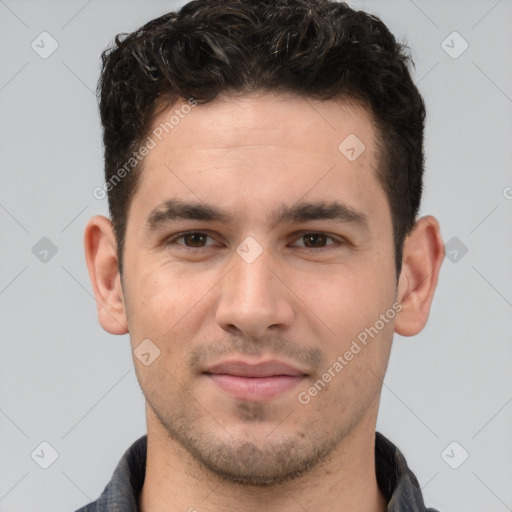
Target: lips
261	381
243	369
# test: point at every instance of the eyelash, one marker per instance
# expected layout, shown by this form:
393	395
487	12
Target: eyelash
336	242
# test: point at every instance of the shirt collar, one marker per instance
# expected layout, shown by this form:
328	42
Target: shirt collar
396	481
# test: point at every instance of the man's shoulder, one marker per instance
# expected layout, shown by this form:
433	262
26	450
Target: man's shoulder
91	507
396	480
121	493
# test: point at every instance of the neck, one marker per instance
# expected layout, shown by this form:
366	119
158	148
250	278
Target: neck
175	482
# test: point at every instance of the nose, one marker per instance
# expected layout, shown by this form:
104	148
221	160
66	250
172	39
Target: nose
254	298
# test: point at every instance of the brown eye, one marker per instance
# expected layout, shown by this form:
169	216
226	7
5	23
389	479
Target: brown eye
319	241
190	240
315	240
195	239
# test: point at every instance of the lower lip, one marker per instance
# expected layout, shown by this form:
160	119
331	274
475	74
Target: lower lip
255	388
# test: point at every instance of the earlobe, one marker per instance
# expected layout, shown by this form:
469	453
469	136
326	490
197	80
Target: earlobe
102	263
422	258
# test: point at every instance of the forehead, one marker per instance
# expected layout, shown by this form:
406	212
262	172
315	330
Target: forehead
241	152
270	119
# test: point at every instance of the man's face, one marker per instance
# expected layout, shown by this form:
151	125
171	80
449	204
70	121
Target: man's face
276	311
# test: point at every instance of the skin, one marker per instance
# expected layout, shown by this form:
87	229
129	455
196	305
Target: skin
296	302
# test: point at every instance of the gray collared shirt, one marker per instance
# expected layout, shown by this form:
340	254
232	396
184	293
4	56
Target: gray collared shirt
396	481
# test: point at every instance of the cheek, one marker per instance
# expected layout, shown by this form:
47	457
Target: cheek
164	291
163	306
172	306
346	300
159	302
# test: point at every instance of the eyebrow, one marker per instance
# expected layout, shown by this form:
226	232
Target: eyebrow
176	209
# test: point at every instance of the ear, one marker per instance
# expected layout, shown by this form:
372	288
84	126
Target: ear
422	257
102	263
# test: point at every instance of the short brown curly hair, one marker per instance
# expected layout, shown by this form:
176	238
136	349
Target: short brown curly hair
318	49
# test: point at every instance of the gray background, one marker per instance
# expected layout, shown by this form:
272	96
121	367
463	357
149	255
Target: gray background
65	381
